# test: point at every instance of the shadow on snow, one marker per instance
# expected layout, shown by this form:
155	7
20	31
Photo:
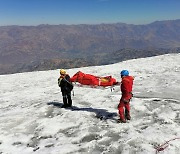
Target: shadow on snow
101	114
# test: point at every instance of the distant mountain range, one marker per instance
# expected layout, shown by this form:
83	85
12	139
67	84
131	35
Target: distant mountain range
29	48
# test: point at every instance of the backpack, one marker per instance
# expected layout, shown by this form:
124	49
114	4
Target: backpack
70	86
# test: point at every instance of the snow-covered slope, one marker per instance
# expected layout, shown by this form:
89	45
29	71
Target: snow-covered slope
31	120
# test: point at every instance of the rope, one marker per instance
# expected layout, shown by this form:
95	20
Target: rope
164	146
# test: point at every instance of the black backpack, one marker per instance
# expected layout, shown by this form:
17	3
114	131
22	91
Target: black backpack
69	85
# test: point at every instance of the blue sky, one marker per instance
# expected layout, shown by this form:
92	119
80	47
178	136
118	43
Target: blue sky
35	12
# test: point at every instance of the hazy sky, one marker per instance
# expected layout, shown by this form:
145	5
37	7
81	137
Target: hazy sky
35	12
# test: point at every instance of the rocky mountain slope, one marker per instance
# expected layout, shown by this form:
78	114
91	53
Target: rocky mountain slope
27	45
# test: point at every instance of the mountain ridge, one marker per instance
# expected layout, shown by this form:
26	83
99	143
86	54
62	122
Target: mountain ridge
26	44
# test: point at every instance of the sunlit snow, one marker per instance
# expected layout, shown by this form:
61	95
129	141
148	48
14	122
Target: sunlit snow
32	121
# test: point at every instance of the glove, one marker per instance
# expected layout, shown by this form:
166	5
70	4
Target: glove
126	101
131	94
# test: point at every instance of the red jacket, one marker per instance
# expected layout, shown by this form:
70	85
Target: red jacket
126	87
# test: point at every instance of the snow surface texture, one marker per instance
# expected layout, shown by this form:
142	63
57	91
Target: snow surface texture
32	120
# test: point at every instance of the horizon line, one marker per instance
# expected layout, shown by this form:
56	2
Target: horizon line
103	23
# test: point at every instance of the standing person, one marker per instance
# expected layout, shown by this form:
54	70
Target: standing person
126	89
66	87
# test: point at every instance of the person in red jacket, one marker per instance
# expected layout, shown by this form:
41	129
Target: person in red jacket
126	89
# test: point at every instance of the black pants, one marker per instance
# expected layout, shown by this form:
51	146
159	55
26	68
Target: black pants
67	99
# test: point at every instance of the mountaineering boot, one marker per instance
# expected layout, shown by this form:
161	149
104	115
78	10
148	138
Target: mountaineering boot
64	106
69	105
128	117
121	121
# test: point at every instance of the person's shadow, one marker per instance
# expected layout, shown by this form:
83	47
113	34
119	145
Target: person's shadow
101	114
57	104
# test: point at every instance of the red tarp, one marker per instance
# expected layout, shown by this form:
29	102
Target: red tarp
88	79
